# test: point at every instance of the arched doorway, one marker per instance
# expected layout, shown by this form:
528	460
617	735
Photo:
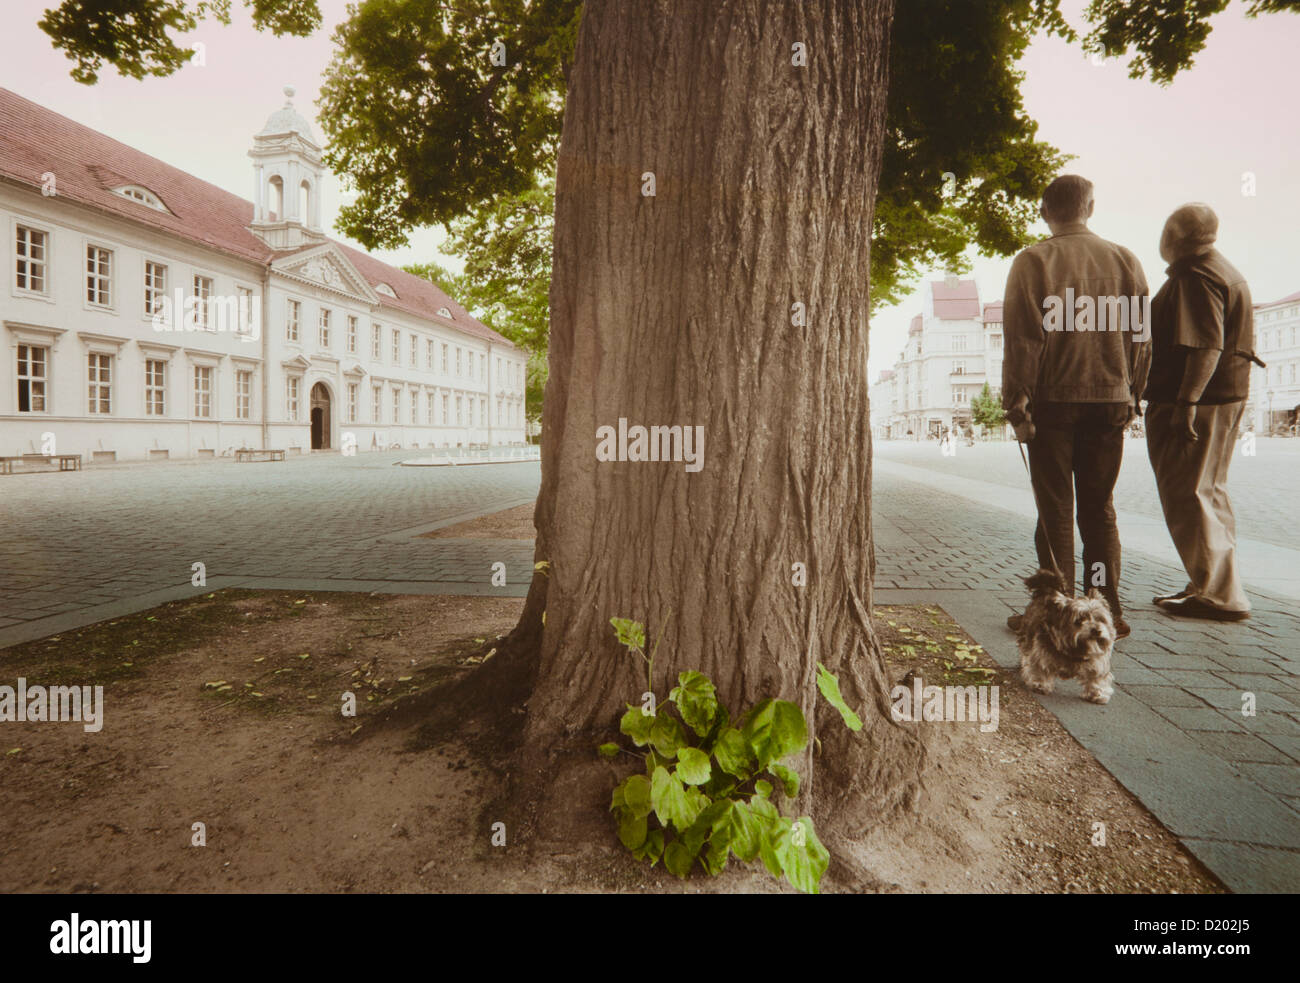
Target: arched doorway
320	417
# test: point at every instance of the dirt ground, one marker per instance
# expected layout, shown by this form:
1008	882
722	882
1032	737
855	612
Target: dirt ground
516	523
225	710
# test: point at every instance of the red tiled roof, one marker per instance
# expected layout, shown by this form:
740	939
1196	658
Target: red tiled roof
915	326
87	166
993	311
957	302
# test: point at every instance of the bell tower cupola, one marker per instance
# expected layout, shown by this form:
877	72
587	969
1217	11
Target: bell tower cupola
286	180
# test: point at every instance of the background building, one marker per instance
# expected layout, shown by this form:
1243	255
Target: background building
953	347
1275	392
273	334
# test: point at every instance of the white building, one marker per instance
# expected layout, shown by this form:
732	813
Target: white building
1275	392
273	334
953	347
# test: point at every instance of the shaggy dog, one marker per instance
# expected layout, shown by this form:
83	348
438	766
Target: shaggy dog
1065	637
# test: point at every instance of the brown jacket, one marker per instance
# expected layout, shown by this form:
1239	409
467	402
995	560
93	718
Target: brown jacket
1076	319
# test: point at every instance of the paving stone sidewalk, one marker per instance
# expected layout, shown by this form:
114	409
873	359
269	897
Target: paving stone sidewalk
1174	735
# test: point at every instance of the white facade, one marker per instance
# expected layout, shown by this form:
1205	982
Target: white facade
953	347
1275	391
327	352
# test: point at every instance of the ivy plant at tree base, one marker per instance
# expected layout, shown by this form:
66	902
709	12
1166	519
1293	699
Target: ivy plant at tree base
707	791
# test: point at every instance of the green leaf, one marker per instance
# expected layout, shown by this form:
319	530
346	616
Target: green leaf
637	725
693	766
668	796
678	859
804	862
630	633
667	735
608	751
768	824
742	831
733	754
705	823
763	789
789	780
775	729
631	829
829	685
696	700
653	847
636	794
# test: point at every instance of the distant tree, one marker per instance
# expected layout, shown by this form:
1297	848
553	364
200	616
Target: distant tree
986	409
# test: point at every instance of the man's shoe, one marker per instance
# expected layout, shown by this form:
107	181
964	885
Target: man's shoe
1016	622
1193	607
1122	630
1162	598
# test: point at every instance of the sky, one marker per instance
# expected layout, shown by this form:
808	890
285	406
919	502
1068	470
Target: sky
1147	148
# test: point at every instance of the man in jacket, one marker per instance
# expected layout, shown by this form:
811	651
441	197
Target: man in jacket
1077	353
1203	342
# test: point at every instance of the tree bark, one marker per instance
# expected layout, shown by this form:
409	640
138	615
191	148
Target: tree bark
676	310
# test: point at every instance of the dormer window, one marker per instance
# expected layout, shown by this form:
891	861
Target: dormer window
443	312
141	195
386	290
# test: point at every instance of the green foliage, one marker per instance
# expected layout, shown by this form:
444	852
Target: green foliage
137	36
830	688
987	409
706	793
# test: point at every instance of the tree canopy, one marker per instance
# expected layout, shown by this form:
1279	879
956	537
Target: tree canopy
449	112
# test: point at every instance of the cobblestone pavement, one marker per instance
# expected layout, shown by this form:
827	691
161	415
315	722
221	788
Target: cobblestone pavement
1174	734
77	544
1262	485
79	547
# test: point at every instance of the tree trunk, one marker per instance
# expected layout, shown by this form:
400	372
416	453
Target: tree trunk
678	309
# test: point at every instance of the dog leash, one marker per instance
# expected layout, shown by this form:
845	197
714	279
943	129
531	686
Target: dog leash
1038	508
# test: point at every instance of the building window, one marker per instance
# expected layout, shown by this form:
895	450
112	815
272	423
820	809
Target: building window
959	342
352	402
458	361
499	421
958	396
99	275
445	402
415	407
244	394
428	355
155	387
324	328
291	398
397	405
244	316
415	351
141	195
959	366
377	406
100	378
469	410
155	287
482	411
293	317
995	342
460	411
33	361
352	335
31	251
376	351
429	410
397	349
482	367
203	391
202	302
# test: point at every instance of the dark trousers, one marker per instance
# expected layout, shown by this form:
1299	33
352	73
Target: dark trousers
1076	454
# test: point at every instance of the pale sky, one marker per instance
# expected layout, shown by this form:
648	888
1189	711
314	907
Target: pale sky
1147	149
